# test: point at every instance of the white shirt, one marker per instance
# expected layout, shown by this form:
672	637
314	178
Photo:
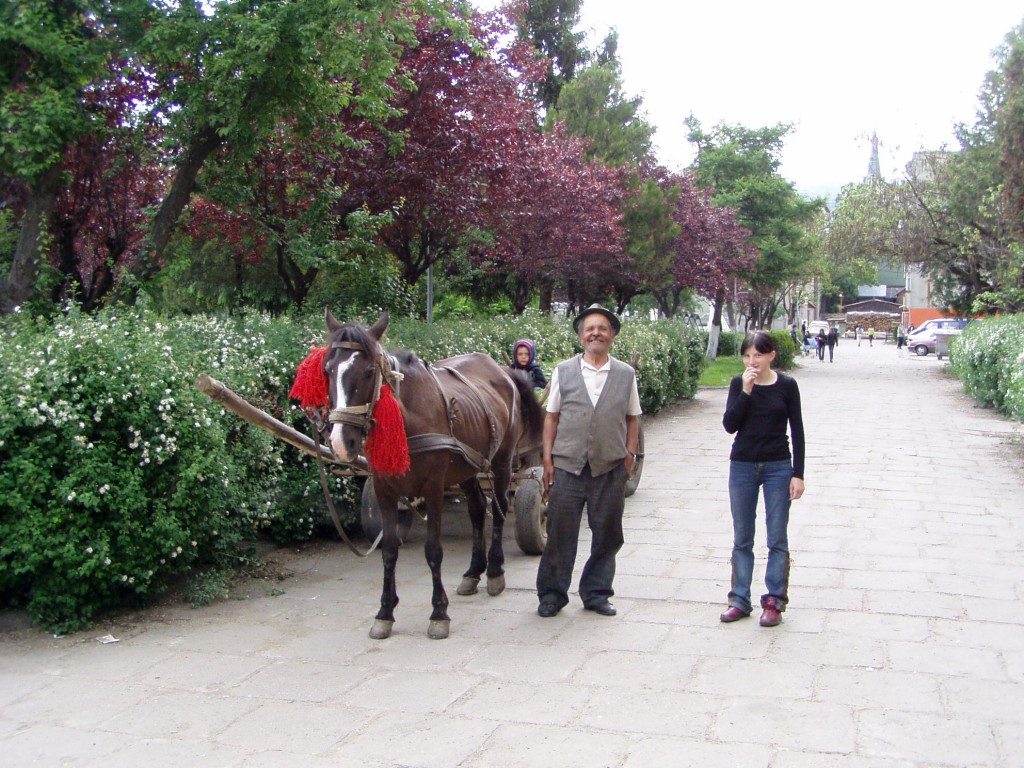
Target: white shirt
594	379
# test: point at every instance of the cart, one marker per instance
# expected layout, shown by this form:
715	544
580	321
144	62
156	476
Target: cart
528	500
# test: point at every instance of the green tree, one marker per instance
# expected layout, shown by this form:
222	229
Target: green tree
594	106
741	166
550	26
231	76
51	52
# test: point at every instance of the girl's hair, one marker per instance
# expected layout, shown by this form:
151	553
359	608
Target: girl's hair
762	341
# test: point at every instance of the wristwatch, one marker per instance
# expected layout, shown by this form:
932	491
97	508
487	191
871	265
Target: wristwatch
635	455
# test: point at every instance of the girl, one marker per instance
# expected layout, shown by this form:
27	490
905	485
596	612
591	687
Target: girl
760	406
524	359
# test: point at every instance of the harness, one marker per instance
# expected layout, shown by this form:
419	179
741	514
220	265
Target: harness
361	416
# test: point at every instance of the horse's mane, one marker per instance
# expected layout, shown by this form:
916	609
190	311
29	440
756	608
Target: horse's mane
359	334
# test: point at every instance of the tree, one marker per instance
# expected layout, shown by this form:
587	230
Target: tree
114	178
957	215
229	77
556	220
594	106
548	25
462	126
741	166
53	52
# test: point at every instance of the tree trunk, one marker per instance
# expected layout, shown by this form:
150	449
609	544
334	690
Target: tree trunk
182	187
546	292
715	331
21	280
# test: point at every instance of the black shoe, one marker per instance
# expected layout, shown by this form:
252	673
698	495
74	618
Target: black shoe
604	608
548	608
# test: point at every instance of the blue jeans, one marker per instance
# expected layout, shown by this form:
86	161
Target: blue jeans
745	478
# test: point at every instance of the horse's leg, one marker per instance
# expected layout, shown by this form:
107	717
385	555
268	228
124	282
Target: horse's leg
389	543
477	503
496	556
439	620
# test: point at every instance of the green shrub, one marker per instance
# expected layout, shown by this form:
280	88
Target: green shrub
116	475
988	357
729	343
785	350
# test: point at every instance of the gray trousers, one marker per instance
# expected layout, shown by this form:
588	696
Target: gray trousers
604	498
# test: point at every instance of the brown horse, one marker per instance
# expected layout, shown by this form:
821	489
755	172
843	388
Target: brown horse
463	416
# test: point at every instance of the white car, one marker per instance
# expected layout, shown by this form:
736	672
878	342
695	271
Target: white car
922	340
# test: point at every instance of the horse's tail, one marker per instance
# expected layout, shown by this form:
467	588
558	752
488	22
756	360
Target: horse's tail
529	407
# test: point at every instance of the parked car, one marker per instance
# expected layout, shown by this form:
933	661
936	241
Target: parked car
816	325
922	340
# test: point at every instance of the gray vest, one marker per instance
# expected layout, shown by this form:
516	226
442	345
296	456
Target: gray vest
589	434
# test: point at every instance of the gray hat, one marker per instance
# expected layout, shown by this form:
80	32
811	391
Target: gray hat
616	325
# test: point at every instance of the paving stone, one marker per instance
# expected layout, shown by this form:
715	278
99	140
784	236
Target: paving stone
929	739
799	725
874	688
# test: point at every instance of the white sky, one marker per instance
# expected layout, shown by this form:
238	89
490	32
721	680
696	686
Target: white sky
908	70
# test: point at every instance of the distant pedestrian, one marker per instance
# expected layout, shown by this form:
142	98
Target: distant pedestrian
832	340
822	341
761	406
871	337
797	343
901	338
858	332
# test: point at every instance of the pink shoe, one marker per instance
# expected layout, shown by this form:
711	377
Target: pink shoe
732	613
771	615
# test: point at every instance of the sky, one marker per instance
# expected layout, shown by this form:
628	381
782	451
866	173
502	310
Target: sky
906	70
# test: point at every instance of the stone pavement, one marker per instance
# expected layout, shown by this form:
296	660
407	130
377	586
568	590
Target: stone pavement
903	644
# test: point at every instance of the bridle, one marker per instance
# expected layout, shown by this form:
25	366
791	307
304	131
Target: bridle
361	416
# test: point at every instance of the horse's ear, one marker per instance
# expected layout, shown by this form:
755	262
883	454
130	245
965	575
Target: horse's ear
377	331
332	323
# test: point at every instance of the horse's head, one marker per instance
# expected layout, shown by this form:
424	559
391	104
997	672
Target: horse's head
355	366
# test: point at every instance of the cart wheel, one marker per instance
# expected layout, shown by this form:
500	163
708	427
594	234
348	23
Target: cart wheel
638	465
369	514
531	513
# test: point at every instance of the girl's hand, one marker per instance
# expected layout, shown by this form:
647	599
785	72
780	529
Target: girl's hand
749	377
796	488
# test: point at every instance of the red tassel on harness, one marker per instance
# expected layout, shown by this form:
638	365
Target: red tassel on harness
386	446
310	387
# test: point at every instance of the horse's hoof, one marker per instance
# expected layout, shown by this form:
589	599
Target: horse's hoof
438	629
495	585
381	629
468	586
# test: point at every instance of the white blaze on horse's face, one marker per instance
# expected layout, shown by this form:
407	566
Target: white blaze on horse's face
337	445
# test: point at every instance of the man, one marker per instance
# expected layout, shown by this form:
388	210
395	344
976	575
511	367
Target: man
591	433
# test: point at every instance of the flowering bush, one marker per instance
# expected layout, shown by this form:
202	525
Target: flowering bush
988	357
116	474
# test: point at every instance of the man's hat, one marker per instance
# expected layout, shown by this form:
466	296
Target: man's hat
616	325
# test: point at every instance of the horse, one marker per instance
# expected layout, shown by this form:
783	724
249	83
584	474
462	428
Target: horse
462	416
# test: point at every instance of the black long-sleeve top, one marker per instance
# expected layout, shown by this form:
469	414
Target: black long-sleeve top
759	422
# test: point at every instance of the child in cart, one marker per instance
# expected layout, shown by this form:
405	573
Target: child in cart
524	358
